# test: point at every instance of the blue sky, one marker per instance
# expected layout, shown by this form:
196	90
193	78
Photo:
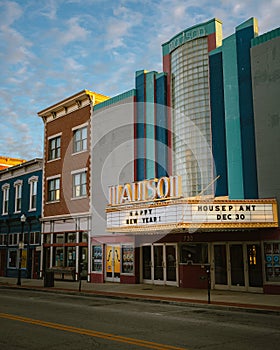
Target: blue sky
51	49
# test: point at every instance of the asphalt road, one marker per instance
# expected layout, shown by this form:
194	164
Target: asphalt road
40	320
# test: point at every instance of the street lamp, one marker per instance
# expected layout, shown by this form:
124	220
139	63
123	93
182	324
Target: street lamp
20	246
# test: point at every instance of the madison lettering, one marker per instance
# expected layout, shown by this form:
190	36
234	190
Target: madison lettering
146	190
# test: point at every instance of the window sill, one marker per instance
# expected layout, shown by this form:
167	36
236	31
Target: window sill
77	198
53	160
52	202
79	152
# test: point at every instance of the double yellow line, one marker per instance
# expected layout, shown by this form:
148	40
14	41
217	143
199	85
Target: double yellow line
88	332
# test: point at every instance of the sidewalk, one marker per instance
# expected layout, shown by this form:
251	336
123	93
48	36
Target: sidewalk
226	299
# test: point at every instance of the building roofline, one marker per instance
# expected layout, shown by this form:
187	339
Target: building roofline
93	96
24	164
275	33
180	38
7	162
115	99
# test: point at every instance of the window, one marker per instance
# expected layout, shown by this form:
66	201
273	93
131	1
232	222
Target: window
127	259
54	148
3	239
195	253
54	190
47	238
80	184
70	256
33	181
97	258
70	237
272	261
5	204
80	140
83	237
12	259
13	239
59	256
18	195
34	238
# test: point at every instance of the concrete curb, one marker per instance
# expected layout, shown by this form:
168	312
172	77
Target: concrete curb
218	305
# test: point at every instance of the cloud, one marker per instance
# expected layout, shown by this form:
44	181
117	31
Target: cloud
12	12
52	49
19	139
49	9
120	26
73	32
73	65
67	32
14	46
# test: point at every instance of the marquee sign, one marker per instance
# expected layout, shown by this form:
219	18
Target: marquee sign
184	213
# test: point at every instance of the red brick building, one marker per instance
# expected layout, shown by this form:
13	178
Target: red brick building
66	187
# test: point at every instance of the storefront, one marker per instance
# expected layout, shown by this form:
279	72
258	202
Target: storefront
159	263
162	238
114	259
65	247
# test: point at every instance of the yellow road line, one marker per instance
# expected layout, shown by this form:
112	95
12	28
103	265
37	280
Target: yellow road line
112	337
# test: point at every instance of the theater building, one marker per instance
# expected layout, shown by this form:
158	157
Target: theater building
192	183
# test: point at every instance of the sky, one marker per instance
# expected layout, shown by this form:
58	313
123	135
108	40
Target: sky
52	49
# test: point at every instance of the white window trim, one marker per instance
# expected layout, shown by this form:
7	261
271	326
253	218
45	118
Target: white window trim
83	151
85	125
79	126
50	138
53	177
5	188
54	136
31	182
18	182
17	185
83	170
33	179
76	172
58	176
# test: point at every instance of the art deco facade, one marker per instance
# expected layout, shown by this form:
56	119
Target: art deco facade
204	114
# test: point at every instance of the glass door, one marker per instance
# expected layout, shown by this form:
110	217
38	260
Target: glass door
147	262
84	262
171	263
254	265
237	265
220	263
113	263
158	263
